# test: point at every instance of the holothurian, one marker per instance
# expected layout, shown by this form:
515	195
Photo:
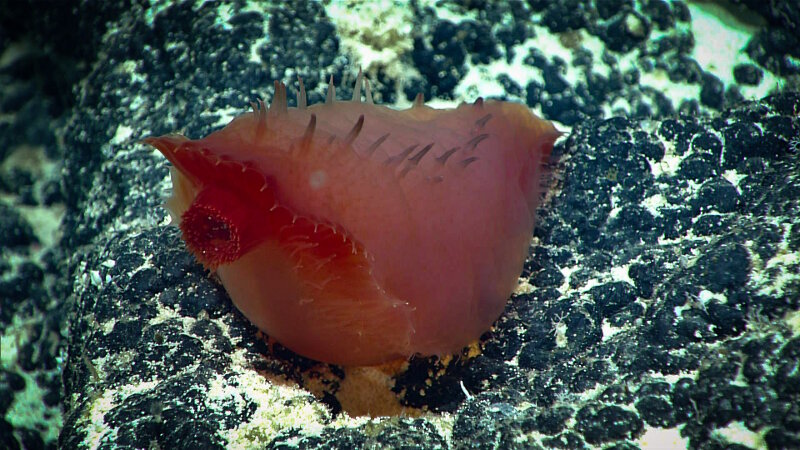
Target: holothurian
355	234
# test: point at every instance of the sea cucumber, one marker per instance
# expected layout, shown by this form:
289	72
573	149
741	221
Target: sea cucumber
355	234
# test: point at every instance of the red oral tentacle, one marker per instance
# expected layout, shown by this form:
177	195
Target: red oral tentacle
216	227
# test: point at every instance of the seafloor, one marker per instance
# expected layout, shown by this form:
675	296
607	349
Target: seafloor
659	308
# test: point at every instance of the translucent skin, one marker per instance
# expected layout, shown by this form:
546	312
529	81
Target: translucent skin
349	239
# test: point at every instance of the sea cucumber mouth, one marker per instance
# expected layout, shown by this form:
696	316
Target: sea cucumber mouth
213	227
225	221
236	208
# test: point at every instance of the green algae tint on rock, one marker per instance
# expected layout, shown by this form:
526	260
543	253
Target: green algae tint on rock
356	234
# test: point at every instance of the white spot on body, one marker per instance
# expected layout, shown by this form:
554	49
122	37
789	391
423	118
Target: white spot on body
317	179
